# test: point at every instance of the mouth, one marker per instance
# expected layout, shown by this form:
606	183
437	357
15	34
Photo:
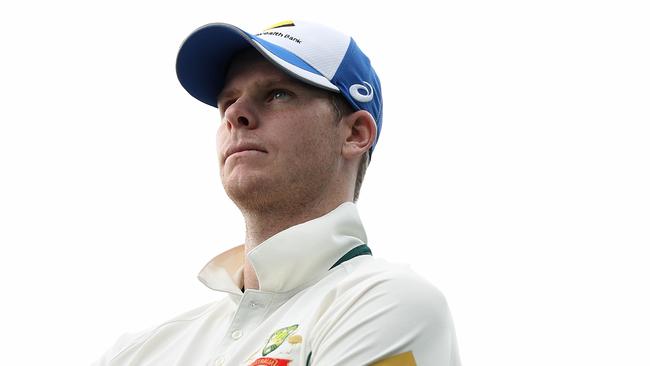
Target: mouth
243	149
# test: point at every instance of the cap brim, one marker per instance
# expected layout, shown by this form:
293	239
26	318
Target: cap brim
205	55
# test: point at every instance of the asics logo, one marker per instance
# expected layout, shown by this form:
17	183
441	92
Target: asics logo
364	97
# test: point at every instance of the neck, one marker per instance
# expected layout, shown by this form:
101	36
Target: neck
262	224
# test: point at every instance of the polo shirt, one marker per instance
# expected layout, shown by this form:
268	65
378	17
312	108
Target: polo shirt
323	300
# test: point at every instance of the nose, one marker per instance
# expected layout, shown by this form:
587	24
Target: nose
240	115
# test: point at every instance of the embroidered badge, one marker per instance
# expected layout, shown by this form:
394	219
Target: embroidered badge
294	339
278	337
268	361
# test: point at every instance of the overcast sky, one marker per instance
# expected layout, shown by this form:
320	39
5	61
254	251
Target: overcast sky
512	170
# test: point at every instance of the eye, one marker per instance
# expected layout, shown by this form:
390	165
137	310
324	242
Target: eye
224	104
279	94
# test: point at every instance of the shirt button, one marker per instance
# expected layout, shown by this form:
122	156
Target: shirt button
252	305
218	361
236	334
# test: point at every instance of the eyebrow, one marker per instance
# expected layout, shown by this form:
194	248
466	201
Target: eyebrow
262	84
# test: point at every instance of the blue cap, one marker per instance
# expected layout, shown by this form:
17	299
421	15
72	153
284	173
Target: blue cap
313	53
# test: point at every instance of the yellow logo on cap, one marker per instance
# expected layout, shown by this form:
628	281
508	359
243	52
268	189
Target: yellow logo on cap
286	23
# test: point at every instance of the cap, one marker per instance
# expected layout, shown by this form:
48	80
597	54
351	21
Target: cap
313	53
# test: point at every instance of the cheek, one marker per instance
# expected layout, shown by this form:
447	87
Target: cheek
324	129
221	135
221	139
315	138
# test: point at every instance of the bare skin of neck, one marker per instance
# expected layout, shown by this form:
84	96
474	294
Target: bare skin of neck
263	224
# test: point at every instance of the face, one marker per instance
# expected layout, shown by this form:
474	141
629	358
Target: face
279	142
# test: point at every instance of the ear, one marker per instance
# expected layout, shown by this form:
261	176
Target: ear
360	133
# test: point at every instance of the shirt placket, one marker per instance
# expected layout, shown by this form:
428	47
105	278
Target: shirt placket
251	311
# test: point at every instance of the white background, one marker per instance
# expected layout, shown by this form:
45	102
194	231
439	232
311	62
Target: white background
512	170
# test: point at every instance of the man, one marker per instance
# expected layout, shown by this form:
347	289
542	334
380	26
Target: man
301	111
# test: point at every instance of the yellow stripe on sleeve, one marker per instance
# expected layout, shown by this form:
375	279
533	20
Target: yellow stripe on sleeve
403	359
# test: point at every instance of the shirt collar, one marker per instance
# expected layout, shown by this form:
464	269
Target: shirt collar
298	255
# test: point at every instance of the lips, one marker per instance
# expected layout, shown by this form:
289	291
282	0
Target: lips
243	147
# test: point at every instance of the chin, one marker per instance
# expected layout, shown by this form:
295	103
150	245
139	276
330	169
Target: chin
249	192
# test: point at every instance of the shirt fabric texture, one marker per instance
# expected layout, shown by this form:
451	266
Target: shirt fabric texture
308	309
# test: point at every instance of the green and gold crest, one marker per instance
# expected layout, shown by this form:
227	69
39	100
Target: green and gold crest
277	338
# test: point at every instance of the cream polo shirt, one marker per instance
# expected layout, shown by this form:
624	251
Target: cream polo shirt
323	300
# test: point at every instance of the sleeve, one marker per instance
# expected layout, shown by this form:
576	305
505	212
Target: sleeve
122	343
386	319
